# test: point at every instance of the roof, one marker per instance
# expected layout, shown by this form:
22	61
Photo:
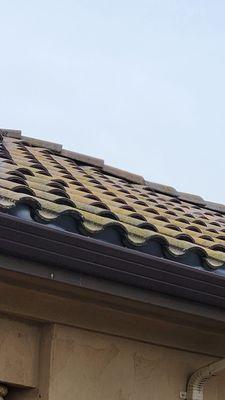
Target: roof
41	181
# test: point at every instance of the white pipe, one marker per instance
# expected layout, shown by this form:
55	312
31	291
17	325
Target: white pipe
3	391
197	380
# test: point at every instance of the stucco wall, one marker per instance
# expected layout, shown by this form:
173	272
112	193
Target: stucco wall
62	362
93	366
19	352
55	347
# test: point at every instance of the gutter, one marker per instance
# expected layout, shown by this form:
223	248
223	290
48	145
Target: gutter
80	254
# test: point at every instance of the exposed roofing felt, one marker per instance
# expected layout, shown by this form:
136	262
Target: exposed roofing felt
41	181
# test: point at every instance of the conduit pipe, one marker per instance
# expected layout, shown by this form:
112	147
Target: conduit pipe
3	391
197	380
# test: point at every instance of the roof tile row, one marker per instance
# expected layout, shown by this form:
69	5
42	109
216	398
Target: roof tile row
58	184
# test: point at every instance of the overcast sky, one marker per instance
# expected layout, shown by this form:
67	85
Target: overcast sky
139	83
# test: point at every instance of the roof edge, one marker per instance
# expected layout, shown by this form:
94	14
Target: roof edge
96	162
120	173
42	143
13	133
75	253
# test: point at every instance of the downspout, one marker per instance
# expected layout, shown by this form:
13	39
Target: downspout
3	391
197	380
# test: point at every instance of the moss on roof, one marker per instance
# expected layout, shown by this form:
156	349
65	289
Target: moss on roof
55	183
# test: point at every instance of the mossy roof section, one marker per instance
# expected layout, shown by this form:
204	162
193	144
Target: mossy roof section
58	184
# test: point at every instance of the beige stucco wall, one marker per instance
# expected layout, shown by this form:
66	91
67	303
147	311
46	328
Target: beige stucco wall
93	366
19	352
55	347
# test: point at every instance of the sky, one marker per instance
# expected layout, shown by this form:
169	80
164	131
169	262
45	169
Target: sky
140	84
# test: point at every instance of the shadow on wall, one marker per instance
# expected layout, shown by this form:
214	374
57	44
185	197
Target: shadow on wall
16	393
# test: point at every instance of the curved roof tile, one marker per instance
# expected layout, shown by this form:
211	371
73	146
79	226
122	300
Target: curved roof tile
77	192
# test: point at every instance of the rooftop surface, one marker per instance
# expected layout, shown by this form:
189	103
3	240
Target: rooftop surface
42	182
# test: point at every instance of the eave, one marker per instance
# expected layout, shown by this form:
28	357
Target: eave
67	254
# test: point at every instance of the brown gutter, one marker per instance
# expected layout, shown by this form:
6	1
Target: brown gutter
76	253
